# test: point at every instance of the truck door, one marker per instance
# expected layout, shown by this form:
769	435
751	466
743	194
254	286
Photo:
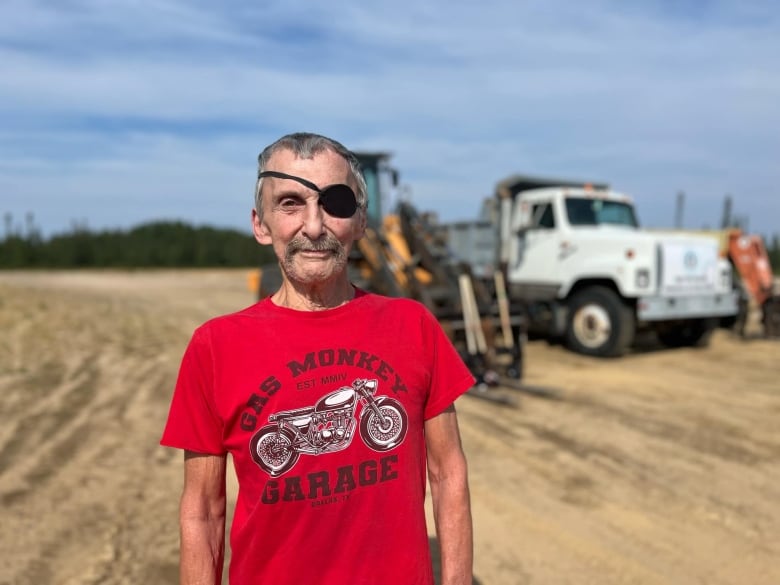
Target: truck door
533	265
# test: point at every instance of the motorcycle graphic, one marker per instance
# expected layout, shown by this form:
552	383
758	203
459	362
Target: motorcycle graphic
329	426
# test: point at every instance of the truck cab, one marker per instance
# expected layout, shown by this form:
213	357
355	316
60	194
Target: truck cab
557	224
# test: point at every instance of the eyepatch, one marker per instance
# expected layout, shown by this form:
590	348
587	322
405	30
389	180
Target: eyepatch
337	200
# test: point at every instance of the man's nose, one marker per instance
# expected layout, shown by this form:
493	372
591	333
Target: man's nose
313	226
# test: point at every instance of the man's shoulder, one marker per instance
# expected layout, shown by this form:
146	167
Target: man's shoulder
253	312
402	305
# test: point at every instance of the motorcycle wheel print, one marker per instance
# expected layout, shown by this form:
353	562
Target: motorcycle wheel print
383	434
272	449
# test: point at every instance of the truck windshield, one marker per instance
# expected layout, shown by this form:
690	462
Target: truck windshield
588	211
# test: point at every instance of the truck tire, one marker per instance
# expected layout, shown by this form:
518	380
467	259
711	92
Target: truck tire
770	317
692	333
599	323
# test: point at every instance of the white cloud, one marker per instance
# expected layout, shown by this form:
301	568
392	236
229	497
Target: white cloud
164	102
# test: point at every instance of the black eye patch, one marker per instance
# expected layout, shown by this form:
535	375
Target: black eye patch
337	200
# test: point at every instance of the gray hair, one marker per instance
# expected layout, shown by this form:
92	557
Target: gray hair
306	145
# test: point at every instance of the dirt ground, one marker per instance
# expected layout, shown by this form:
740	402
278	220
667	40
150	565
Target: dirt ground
659	467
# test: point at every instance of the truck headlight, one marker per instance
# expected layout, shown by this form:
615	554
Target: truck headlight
642	278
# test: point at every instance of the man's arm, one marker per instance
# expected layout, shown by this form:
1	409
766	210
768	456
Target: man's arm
448	478
202	519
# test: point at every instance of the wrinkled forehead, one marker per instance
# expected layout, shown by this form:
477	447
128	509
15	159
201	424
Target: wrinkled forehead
324	167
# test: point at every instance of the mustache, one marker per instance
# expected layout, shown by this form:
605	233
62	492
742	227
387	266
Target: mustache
326	244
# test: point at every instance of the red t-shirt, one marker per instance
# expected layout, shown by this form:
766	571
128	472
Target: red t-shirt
323	415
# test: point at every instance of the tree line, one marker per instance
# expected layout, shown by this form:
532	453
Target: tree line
155	244
151	245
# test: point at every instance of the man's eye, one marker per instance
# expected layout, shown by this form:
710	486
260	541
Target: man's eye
289	203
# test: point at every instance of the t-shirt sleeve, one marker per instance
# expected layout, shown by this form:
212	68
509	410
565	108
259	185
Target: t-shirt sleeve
450	377
193	423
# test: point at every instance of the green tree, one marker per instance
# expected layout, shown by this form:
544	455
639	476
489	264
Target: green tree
156	244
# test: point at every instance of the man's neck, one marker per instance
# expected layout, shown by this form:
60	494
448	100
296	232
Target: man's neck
302	297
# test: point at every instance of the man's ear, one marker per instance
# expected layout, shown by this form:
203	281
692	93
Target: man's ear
360	228
260	230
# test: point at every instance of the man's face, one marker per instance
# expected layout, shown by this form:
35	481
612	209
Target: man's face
312	246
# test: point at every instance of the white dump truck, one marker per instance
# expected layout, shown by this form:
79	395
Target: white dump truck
574	257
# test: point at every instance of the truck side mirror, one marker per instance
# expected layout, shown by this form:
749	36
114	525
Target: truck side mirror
522	229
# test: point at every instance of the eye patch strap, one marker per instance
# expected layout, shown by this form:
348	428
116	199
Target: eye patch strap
279	175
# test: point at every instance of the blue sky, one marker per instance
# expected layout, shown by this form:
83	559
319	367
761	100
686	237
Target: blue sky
114	113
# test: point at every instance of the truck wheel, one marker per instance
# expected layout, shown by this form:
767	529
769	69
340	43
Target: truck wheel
599	323
770	317
693	333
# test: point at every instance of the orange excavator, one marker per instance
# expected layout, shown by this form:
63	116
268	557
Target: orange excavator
748	254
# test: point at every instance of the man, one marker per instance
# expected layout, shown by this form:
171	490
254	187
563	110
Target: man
330	400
